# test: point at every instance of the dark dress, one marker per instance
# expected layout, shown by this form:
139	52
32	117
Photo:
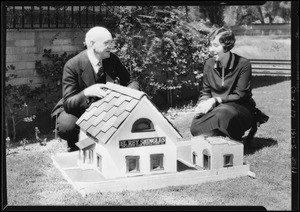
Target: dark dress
235	114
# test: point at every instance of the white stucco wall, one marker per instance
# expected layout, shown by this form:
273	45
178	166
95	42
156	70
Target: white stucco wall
115	163
198	145
217	151
114	157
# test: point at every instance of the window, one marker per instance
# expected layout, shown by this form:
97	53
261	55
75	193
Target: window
91	156
84	156
142	125
228	160
99	162
194	158
132	164
156	162
88	156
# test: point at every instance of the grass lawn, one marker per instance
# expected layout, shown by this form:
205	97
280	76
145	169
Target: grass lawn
263	47
32	179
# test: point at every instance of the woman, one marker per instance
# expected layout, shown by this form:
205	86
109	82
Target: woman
225	106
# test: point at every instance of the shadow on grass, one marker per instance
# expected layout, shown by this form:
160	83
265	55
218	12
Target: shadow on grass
261	81
259	143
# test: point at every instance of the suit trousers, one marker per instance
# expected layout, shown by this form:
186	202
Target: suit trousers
230	118
67	128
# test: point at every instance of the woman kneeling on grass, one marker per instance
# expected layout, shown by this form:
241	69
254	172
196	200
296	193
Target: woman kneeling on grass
225	106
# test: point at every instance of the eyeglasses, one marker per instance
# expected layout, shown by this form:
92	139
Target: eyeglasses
108	43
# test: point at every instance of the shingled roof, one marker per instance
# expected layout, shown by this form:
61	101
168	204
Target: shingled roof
102	119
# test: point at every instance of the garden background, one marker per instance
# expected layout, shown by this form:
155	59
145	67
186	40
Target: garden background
165	48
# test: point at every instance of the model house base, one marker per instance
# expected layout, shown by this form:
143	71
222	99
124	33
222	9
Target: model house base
189	172
126	143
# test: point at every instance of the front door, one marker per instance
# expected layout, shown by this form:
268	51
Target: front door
206	162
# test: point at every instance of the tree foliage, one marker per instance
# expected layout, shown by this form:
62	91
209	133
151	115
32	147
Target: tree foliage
56	64
16	108
214	14
159	48
24	102
269	12
277	8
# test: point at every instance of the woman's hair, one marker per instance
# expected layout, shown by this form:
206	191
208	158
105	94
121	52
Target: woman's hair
227	38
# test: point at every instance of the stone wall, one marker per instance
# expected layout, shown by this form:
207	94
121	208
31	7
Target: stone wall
25	46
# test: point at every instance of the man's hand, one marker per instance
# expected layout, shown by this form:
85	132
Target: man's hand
95	90
205	106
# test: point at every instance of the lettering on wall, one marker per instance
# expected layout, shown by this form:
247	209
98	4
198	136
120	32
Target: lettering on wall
142	142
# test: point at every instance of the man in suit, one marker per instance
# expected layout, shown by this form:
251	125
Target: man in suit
84	76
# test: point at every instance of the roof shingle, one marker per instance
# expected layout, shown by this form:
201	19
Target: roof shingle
104	117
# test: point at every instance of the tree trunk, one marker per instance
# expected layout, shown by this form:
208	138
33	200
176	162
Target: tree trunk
186	12
261	17
14	128
6	127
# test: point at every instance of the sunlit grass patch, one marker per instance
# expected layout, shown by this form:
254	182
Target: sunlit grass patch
33	180
263	47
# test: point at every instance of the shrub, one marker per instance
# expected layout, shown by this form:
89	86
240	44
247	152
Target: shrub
26	103
52	70
16	108
50	92
160	49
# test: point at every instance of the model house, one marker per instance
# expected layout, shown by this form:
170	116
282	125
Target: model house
211	152
124	134
127	144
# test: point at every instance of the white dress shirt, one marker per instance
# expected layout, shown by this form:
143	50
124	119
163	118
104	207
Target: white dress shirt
94	61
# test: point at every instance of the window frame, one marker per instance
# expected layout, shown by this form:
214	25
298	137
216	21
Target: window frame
132	157
161	165
194	158
91	156
206	159
141	121
230	163
99	162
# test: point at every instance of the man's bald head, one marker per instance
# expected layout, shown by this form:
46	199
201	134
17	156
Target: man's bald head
97	34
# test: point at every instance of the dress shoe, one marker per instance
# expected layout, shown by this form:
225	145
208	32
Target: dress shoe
72	149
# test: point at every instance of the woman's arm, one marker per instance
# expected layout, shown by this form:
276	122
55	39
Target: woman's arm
206	90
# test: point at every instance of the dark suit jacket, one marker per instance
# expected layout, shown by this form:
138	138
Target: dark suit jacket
79	74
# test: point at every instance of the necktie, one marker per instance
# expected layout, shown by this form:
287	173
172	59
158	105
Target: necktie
100	75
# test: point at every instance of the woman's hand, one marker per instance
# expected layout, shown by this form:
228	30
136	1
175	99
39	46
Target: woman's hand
205	106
